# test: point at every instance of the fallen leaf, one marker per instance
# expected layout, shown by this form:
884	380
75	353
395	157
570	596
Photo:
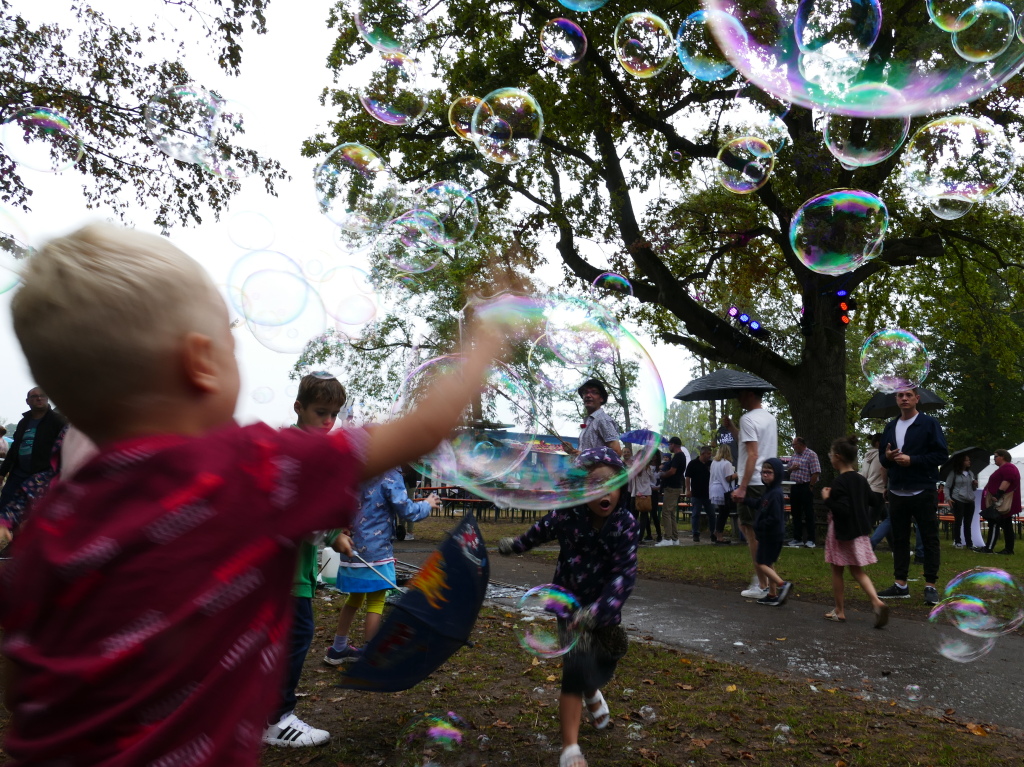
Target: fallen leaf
687	661
551	677
502	725
682	686
536	662
840	763
648	681
647	753
731	688
747	756
977	729
701	742
780	639
950	711
338	699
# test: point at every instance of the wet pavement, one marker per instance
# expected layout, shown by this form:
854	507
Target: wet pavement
795	641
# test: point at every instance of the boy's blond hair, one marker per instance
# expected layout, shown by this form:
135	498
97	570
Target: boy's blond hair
101	312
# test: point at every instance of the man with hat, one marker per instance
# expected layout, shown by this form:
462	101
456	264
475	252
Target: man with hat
599	429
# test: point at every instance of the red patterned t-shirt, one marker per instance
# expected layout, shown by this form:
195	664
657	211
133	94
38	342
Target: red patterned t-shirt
147	607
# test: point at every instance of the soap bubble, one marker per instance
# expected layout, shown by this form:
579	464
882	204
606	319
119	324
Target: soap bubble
756	160
391	27
563	41
697	49
838	231
272	297
951	642
355	189
959	156
857	142
893	360
250	230
410	241
675	155
352	243
643	44
455	207
460	116
648	714
583	6
292	337
227	123
782	733
15	247
998	595
349	297
611	282
263	394
754	113
986	31
913	692
948	207
434	739
949	15
41	139
507	125
391	93
180	122
536	627
835	50
254	263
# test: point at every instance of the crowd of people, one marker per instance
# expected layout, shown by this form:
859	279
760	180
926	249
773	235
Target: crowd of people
186	530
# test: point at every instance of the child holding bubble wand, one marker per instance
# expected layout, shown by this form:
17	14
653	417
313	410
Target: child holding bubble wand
848	540
596	563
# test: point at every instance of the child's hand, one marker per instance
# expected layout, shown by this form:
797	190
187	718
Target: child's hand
342	544
5	536
434	501
583	619
505	546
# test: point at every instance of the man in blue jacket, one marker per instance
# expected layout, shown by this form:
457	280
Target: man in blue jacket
912	449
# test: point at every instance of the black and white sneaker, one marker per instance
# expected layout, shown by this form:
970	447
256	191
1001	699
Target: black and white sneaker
784	591
895	591
931	595
292	732
769	600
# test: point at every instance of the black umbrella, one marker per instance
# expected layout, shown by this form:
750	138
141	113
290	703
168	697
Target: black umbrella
979	460
884	405
722	384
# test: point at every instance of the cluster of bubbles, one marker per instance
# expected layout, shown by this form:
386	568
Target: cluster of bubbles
543	625
196	126
558	343
893	359
978	606
838	231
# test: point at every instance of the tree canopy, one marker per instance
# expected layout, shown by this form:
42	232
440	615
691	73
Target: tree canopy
603	191
100	75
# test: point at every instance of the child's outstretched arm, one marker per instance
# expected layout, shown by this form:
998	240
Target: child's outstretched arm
419	432
403	506
540	532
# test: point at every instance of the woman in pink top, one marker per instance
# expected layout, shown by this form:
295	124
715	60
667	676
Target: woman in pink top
1005	480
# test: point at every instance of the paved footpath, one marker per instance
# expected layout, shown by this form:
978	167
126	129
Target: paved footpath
794	640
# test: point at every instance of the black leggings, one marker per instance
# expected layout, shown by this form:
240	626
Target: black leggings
963	514
1005	522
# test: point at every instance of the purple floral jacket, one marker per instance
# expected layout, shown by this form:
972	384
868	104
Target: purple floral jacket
597	566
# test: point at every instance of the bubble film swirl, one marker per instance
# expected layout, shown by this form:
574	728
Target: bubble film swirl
836	232
755	160
537	626
949	15
507	126
948	638
857	142
996	598
355	189
949	208
610	282
455	208
41	139
390	27
460	116
563	41
643	44
697	49
893	359
180	122
963	157
391	94
816	56
434	739
986	32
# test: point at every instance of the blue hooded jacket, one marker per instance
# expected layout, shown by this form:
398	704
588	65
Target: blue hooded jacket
770	522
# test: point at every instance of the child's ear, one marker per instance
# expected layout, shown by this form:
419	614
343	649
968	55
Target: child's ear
199	363
297	407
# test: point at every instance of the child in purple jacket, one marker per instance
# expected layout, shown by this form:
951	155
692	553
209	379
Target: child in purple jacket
597	564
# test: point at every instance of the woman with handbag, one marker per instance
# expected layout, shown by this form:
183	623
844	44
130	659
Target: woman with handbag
1001	503
640	491
723	476
960	486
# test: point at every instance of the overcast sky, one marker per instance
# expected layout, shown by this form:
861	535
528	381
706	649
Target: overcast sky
283	74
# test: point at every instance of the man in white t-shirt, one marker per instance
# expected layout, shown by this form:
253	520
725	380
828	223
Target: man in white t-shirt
758	441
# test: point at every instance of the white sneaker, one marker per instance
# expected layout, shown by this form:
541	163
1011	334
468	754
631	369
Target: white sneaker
666	542
410	537
675	542
754	592
810	544
794	544
294	733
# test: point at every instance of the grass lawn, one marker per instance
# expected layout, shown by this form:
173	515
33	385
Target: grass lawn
706	713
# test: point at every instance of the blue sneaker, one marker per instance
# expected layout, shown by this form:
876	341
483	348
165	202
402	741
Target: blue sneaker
338	657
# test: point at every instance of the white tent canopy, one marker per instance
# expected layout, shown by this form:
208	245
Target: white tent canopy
1018	458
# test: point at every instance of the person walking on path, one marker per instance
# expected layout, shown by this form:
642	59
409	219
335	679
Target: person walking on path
770	525
914	448
698	483
723	474
804	471
849	525
759	441
960	486
1005	479
671	488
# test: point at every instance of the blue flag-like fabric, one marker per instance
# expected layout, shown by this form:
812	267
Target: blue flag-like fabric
433	618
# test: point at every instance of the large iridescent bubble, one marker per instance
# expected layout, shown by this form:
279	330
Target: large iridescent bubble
949	207
962	157
460	116
643	44
42	139
563	41
987	32
355	188
537	626
893	359
744	164
391	93
391	26
820	53
836	232
507	126
583	6
946	622
697	49
857	142
410	241
997	599
180	122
